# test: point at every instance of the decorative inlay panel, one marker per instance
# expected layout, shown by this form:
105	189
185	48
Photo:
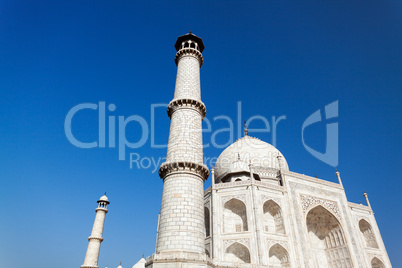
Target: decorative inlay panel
359	218
310	201
266	172
243	241
298	228
265	198
239	197
271	242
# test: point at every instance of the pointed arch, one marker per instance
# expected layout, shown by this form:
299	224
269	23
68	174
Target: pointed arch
376	263
278	257
368	234
273	219
327	239
237	253
234	216
207	221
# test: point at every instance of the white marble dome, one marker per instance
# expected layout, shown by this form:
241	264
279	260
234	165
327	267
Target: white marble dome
238	156
104	198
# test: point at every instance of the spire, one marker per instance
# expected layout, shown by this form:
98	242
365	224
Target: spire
338	175
251	171
245	129
366	197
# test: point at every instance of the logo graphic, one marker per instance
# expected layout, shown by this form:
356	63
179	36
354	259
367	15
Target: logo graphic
330	156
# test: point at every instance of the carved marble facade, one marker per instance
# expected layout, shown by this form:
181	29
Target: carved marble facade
257	213
284	219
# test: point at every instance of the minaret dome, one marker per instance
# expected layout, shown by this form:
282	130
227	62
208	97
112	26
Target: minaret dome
189	41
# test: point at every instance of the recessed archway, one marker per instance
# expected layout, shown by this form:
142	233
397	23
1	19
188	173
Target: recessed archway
368	234
234	217
278	256
327	239
237	253
376	263
273	220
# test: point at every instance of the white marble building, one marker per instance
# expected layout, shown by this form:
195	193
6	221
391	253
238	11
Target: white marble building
257	213
260	214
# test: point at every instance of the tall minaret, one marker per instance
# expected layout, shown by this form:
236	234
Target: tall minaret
181	231
92	256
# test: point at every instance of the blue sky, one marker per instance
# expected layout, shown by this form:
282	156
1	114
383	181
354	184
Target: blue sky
279	58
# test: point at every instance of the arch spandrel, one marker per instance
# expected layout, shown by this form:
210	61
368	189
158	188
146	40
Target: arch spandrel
310	202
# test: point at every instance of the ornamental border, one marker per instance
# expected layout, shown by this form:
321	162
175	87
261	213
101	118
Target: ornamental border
186	103
168	168
188	51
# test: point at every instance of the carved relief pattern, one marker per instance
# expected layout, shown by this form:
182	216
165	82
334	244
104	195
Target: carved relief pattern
243	241
284	244
359	218
309	201
266	172
265	198
239	197
298	228
235	183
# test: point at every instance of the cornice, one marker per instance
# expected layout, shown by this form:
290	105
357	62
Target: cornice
199	106
169	168
188	52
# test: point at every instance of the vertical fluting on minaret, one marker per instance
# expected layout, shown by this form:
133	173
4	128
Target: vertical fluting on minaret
92	255
181	225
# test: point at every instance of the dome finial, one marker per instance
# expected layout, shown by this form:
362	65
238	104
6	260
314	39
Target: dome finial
245	129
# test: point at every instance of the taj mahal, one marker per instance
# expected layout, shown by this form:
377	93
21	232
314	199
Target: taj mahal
257	213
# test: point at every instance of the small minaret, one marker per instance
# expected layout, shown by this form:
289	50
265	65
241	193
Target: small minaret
367	200
92	256
338	175
181	226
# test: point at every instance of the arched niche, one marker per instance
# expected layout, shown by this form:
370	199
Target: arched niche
327	239
234	217
278	256
237	253
368	234
207	222
273	219
376	263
